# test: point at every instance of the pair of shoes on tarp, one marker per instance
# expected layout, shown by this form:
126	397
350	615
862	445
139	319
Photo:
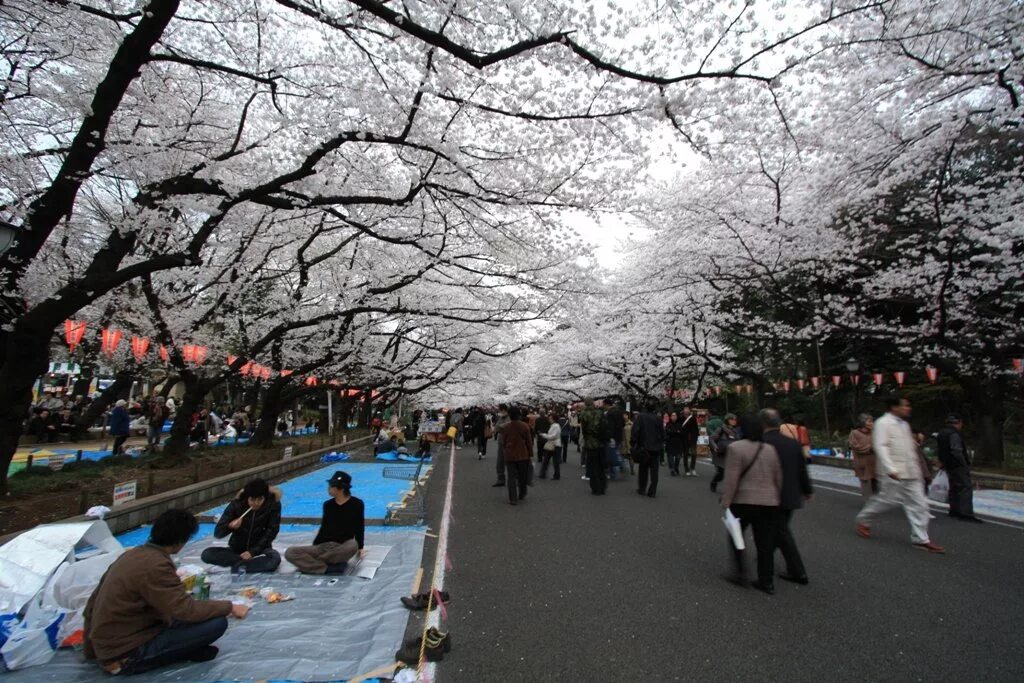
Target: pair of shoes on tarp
438	645
419	601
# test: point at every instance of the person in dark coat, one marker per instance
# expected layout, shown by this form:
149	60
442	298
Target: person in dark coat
691	433
719	443
796	488
647	442
252	519
674	443
615	420
956	462
120	425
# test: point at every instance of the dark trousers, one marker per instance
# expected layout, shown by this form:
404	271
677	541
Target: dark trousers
787	544
499	465
565	450
961	493
689	458
765	523
553	457
119	443
673	461
717	479
517	475
174	644
268	561
648	468
481	444
596	469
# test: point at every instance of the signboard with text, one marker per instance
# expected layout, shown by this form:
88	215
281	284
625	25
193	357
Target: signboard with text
289	451
125	492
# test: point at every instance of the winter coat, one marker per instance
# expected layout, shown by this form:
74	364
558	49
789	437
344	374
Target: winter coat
259	528
120	423
720	441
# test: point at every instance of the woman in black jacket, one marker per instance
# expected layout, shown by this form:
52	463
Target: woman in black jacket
253	520
675	442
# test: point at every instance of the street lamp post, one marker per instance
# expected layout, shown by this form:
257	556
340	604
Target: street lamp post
824	388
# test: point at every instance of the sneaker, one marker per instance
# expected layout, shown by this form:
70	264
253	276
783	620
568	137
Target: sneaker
930	547
585	478
864	531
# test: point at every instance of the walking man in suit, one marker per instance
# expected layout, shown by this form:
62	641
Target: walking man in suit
796	488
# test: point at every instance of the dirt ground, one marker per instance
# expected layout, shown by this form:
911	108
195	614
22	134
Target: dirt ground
39	498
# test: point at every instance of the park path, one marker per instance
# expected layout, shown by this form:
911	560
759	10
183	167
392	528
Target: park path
626	588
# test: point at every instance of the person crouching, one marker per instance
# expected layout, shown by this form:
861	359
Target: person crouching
253	520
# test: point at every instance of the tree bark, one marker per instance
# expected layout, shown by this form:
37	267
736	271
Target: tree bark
270	410
28	357
120	387
192	400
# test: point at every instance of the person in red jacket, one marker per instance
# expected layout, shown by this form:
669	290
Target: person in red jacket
517	450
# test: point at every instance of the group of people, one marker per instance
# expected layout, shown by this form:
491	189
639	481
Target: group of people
55	417
140	618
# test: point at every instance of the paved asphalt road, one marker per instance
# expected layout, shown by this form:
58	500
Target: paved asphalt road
620	587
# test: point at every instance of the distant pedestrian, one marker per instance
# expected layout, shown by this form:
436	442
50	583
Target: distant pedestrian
517	450
499	465
120	425
902	480
804	436
625	441
691	434
647	444
458	421
595	444
551	448
718	444
956	462
752	491
563	423
864	461
483	434
158	415
796	488
674	447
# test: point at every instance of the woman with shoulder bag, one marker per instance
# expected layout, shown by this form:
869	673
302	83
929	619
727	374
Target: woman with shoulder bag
552	442
752	492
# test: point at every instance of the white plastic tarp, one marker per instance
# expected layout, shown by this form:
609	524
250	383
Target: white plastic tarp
28	561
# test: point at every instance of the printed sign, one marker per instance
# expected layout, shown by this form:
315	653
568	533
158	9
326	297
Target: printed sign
288	452
125	492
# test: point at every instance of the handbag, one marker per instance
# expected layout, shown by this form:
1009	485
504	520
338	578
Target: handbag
549	446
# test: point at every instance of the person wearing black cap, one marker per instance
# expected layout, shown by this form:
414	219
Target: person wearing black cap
955	460
341	532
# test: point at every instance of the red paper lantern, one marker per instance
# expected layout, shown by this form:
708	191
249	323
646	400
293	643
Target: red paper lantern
287	373
855	378
140	347
718	391
165	355
837	380
800	384
311	381
73	333
879	378
247	368
932	373
739	389
232	359
786	386
815	381
200	354
749	388
109	340
900	377
188	353
1018	365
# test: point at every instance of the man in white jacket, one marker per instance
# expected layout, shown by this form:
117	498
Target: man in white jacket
900	476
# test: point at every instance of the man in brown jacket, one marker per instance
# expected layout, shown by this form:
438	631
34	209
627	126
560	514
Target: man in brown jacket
140	617
517	449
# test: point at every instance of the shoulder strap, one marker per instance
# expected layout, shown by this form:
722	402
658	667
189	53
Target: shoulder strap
751	463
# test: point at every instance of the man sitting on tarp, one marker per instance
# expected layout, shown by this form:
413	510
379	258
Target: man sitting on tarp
140	617
341	532
253	520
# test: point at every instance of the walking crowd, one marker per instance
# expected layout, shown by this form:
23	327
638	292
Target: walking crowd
760	463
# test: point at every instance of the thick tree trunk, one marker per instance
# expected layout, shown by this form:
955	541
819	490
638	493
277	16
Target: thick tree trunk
988	415
192	400
27	357
270	410
118	389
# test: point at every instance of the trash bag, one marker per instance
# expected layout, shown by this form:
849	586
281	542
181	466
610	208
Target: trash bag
34	641
939	489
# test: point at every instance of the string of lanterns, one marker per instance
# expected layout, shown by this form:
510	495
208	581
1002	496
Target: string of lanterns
195	354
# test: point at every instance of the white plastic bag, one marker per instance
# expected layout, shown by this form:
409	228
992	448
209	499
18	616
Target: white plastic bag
939	489
34	641
732	525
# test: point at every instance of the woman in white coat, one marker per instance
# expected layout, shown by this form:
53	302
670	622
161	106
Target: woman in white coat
552	449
